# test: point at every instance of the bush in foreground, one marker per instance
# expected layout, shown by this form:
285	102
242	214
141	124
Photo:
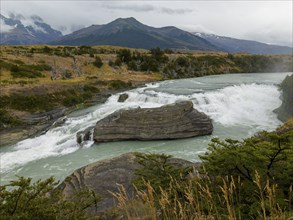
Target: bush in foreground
23	199
250	179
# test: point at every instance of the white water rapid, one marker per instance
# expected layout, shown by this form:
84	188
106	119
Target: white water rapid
235	107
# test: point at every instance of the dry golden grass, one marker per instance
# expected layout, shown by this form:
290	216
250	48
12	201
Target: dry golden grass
199	202
83	62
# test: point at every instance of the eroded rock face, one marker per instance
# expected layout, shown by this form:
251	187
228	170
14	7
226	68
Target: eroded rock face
104	176
179	120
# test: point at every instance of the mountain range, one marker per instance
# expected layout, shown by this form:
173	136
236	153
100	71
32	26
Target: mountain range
233	45
14	32
129	32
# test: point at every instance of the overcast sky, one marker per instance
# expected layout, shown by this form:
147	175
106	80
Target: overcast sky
266	21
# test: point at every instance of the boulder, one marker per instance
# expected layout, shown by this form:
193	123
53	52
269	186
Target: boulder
123	97
285	111
179	120
104	176
85	135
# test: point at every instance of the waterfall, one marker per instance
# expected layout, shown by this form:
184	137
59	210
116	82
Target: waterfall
244	104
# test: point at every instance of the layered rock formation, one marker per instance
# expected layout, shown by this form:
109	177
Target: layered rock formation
285	111
179	120
103	176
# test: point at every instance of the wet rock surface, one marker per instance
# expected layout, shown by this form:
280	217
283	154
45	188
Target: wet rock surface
179	120
85	135
123	97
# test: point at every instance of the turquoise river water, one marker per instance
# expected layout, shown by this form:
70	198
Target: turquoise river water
239	105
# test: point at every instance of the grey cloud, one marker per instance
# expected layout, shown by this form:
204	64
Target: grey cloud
271	36
136	8
16	16
148	8
76	27
37	18
171	11
265	21
62	28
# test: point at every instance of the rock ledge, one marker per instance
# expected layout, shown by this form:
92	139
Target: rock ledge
179	120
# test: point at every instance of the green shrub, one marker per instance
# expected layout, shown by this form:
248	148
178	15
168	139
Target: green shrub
118	84
158	171
47	49
268	155
18	62
28	71
23	199
6	120
90	88
40	67
98	62
132	66
26	74
124	55
6	65
111	63
72	100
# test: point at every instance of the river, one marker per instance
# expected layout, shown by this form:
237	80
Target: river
239	105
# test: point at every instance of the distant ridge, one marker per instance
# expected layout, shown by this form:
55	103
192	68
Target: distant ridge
234	45
14	32
129	32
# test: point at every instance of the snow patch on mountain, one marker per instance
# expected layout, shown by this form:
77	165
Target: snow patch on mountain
17	29
4	27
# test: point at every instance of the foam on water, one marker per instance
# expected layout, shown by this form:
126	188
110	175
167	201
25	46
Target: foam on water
249	105
245	104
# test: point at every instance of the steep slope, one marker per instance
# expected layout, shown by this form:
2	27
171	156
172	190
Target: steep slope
14	32
129	32
237	45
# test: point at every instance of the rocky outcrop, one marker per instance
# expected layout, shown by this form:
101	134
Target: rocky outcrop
179	120
285	111
85	135
123	97
103	176
33	124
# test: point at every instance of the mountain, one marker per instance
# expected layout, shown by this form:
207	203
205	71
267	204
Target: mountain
14	32
234	45
129	32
